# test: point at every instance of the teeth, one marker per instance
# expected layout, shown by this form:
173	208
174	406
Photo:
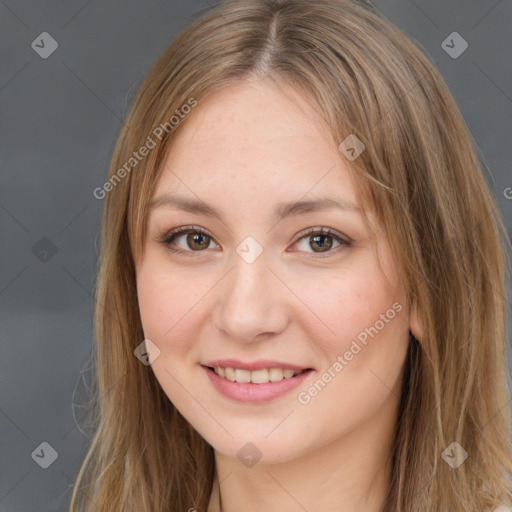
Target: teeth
259	376
256	376
275	374
242	375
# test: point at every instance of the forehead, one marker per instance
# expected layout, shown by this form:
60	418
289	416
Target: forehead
278	106
255	140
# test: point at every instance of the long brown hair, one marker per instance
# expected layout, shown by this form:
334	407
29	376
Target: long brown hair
420	172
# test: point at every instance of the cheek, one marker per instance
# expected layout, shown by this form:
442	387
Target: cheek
346	304
165	300
167	308
364	357
370	341
156	304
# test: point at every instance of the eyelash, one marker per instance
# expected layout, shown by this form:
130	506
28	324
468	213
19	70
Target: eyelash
170	236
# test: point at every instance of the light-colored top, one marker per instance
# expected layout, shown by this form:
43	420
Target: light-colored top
214	503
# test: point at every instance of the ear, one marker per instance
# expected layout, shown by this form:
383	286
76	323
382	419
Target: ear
415	323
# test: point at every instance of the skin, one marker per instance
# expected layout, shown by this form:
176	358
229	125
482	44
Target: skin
243	150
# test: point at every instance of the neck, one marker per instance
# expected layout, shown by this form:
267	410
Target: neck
350	474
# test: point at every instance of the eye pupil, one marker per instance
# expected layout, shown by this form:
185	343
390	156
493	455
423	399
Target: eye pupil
324	247
193	237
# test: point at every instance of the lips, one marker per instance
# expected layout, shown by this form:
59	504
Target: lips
255	365
257	381
257	372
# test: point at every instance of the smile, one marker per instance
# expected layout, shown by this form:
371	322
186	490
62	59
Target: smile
256	376
260	384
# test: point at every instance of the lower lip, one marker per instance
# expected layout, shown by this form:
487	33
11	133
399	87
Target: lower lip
251	392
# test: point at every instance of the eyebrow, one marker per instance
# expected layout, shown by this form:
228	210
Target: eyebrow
281	210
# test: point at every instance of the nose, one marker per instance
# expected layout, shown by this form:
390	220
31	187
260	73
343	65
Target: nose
251	302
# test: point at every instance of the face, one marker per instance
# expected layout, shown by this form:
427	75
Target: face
260	288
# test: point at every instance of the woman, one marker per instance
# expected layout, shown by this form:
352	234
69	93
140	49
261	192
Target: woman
301	282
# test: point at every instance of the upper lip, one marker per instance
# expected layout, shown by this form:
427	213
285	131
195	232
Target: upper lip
254	365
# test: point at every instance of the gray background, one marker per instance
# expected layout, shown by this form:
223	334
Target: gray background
60	117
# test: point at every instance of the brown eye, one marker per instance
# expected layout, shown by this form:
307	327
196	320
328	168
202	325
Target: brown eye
198	240
318	241
323	242
194	240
